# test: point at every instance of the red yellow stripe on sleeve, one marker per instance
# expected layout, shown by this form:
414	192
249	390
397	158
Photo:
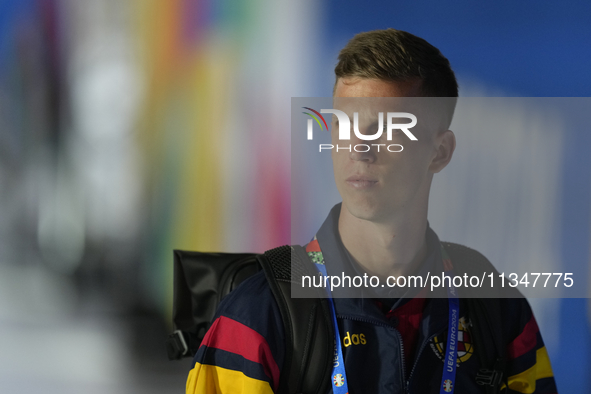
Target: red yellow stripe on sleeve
530	362
526	341
525	382
229	335
233	358
210	379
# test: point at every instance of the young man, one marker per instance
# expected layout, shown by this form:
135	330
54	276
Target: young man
391	342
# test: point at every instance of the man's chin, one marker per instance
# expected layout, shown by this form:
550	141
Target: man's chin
366	212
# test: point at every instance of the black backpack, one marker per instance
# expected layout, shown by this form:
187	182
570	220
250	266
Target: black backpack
201	280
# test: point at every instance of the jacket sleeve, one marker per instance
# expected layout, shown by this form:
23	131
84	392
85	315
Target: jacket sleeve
243	350
529	369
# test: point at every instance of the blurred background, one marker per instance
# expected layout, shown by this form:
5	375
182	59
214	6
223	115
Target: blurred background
129	128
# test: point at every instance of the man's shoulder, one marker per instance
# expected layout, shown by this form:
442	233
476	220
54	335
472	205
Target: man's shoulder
506	307
503	303
244	346
250	301
249	311
467	259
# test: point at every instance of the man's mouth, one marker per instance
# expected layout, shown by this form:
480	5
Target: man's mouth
361	181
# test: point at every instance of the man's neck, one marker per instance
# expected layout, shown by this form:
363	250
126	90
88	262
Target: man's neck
396	247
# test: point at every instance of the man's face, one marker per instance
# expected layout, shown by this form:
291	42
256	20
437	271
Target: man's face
374	185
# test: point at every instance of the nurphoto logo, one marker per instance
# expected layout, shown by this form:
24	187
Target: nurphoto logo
344	124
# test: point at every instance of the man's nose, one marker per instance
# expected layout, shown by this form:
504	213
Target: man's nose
361	150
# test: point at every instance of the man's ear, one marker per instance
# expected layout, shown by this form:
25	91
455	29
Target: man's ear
445	144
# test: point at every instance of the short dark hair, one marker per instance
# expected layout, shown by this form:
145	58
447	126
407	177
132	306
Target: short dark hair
395	55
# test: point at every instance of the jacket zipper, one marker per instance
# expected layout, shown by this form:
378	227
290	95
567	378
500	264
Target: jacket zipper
379	323
418	354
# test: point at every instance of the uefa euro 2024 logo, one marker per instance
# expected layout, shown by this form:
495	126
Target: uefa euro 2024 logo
344	124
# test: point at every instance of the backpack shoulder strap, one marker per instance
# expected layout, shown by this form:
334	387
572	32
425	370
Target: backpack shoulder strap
486	317
306	321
